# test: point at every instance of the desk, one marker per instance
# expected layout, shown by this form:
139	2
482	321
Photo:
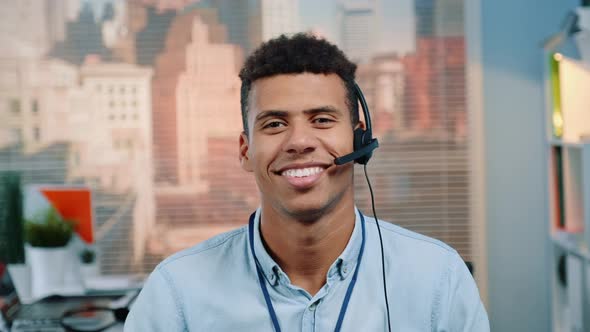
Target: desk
50	310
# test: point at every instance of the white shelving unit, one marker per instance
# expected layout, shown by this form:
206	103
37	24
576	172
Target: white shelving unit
570	271
568	159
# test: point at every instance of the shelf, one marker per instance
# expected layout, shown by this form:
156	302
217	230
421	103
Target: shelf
577	145
571	244
567	124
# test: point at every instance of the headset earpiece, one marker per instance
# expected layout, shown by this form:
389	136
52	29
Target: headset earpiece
359	134
362	138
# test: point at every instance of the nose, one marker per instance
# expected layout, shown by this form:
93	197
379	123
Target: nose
301	140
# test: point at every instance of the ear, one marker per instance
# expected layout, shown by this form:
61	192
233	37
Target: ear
244	153
360	124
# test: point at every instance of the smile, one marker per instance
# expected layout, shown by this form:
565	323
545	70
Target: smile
301	177
302	172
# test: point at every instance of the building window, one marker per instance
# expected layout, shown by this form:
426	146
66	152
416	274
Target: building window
98	87
112	117
123	116
37	134
76	158
15	106
122	89
111	104
17	135
135	116
35	106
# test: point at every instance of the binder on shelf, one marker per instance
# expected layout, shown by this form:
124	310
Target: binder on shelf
569	190
556	115
570	80
573	190
558	200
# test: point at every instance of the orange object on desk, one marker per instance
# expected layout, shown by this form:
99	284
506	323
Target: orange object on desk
73	204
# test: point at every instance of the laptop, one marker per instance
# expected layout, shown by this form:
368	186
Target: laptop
43	315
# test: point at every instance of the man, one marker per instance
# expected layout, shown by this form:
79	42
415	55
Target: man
308	260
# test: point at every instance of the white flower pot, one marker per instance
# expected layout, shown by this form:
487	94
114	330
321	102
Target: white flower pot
47	269
20	274
88	271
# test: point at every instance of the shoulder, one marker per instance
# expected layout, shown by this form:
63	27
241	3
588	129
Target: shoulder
413	250
404	237
206	254
180	281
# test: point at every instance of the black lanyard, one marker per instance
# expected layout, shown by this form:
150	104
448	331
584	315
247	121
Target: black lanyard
271	309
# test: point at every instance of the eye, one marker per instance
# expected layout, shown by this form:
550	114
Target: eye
274	124
324	121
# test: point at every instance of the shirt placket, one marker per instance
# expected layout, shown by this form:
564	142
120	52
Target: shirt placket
309	317
310	314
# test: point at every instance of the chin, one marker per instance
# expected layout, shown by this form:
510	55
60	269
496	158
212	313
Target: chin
309	210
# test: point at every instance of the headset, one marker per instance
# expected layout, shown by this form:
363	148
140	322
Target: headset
364	144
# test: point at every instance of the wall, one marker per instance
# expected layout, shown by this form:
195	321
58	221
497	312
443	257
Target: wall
507	99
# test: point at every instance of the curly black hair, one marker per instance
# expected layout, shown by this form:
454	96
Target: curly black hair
293	55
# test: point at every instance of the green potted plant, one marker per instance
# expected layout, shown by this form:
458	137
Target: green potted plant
48	230
47	235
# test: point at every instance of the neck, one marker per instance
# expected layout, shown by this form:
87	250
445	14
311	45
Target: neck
306	249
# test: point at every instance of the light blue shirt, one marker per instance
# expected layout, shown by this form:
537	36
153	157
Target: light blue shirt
214	286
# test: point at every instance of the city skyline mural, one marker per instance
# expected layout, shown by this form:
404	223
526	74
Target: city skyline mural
139	101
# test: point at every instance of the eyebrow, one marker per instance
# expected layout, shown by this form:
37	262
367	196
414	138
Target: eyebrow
283	114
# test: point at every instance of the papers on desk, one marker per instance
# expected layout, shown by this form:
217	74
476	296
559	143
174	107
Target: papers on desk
102	285
114	283
99	285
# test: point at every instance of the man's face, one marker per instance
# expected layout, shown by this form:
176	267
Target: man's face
298	124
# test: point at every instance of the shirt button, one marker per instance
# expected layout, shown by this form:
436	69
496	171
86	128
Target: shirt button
345	268
313	306
272	277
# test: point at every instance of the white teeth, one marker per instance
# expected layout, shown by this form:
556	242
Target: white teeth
302	172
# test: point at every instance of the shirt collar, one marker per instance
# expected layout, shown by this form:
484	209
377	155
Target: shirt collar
343	266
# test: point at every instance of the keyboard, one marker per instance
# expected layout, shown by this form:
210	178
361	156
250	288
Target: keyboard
37	325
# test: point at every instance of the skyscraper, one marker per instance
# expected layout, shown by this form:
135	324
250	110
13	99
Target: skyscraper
113	144
439	18
382	81
358	28
435	74
251	22
30	28
278	17
196	97
33	101
195	91
234	15
82	37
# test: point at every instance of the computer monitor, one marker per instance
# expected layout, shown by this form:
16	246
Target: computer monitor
9	301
